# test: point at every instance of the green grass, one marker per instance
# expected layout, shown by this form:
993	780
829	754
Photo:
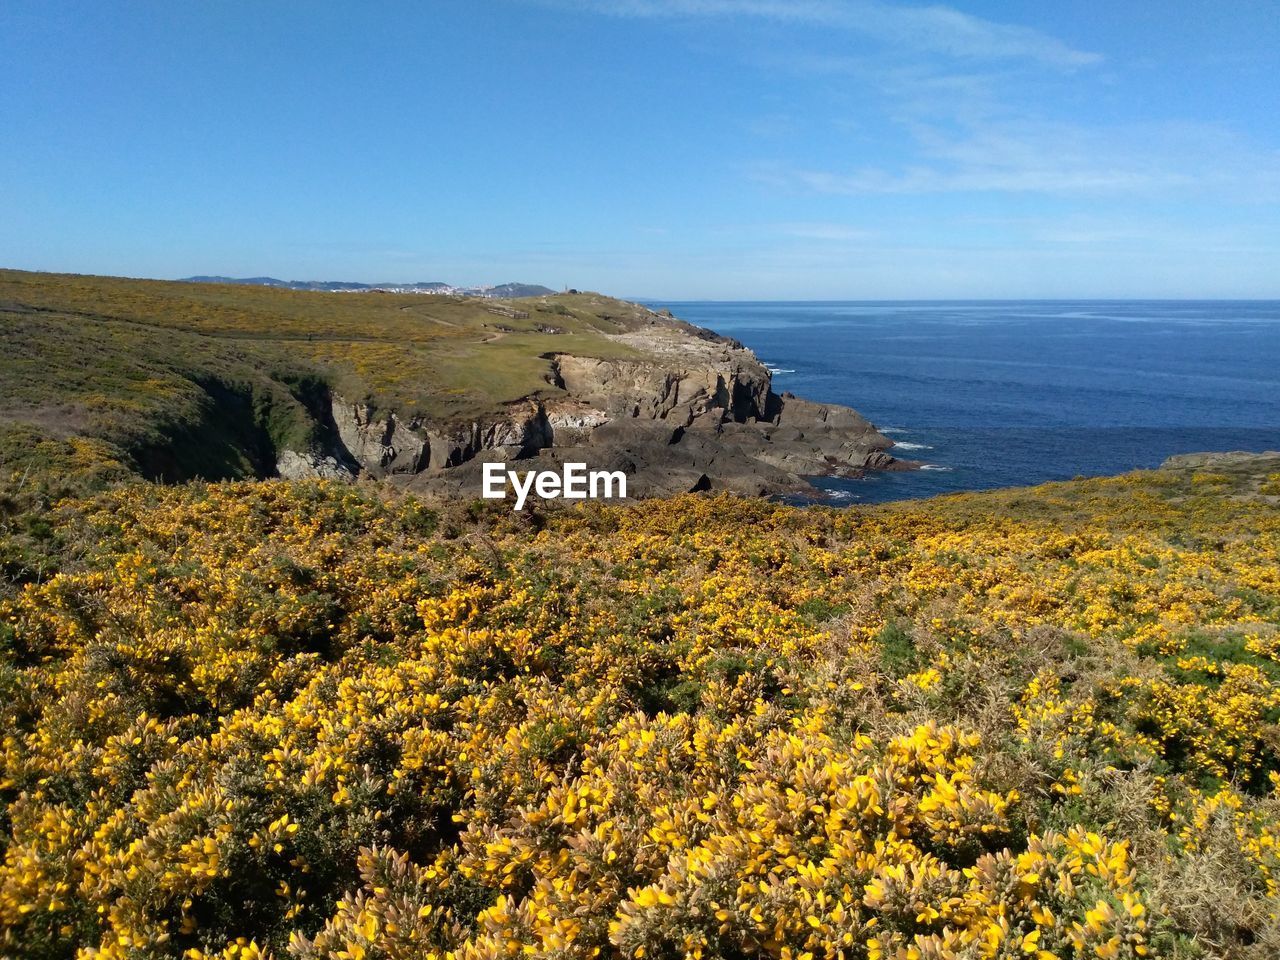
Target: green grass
898	654
415	354
183	380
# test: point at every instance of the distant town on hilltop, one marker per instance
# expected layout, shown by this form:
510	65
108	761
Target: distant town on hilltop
502	290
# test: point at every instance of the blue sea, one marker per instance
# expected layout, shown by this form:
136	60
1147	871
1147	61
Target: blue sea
994	394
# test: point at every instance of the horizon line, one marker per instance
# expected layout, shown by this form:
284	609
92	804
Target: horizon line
1075	298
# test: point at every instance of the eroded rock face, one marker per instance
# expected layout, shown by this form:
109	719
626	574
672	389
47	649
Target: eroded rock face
310	466
690	411
573	421
382	445
726	387
523	431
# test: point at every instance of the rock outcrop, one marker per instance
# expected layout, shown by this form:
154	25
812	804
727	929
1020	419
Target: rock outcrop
380	444
677	409
303	466
1224	461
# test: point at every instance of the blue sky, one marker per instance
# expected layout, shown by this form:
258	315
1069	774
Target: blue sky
682	149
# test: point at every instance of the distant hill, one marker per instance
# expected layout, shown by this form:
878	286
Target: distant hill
176	380
104	377
504	290
515	290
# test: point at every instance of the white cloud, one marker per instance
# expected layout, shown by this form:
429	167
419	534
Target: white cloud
1020	156
930	29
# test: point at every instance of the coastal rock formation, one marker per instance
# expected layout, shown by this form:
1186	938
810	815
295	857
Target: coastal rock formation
640	389
382	445
219	383
1229	461
682	410
298	466
521	432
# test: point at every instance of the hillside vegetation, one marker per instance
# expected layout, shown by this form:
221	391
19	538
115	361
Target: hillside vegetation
178	380
327	721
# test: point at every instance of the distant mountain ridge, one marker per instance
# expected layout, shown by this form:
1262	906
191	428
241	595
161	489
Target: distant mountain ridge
502	290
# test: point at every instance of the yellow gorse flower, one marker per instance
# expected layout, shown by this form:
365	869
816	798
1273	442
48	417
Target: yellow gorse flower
310	720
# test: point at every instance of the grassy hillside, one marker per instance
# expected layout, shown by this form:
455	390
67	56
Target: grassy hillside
325	721
141	371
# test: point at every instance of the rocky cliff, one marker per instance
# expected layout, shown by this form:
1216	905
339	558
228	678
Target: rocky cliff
172	382
686	410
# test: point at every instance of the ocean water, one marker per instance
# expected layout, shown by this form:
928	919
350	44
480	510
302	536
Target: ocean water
994	394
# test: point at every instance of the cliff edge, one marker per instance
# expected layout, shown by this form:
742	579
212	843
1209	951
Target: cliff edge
686	410
177	381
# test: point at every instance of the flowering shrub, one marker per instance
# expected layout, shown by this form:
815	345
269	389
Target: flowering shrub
324	721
